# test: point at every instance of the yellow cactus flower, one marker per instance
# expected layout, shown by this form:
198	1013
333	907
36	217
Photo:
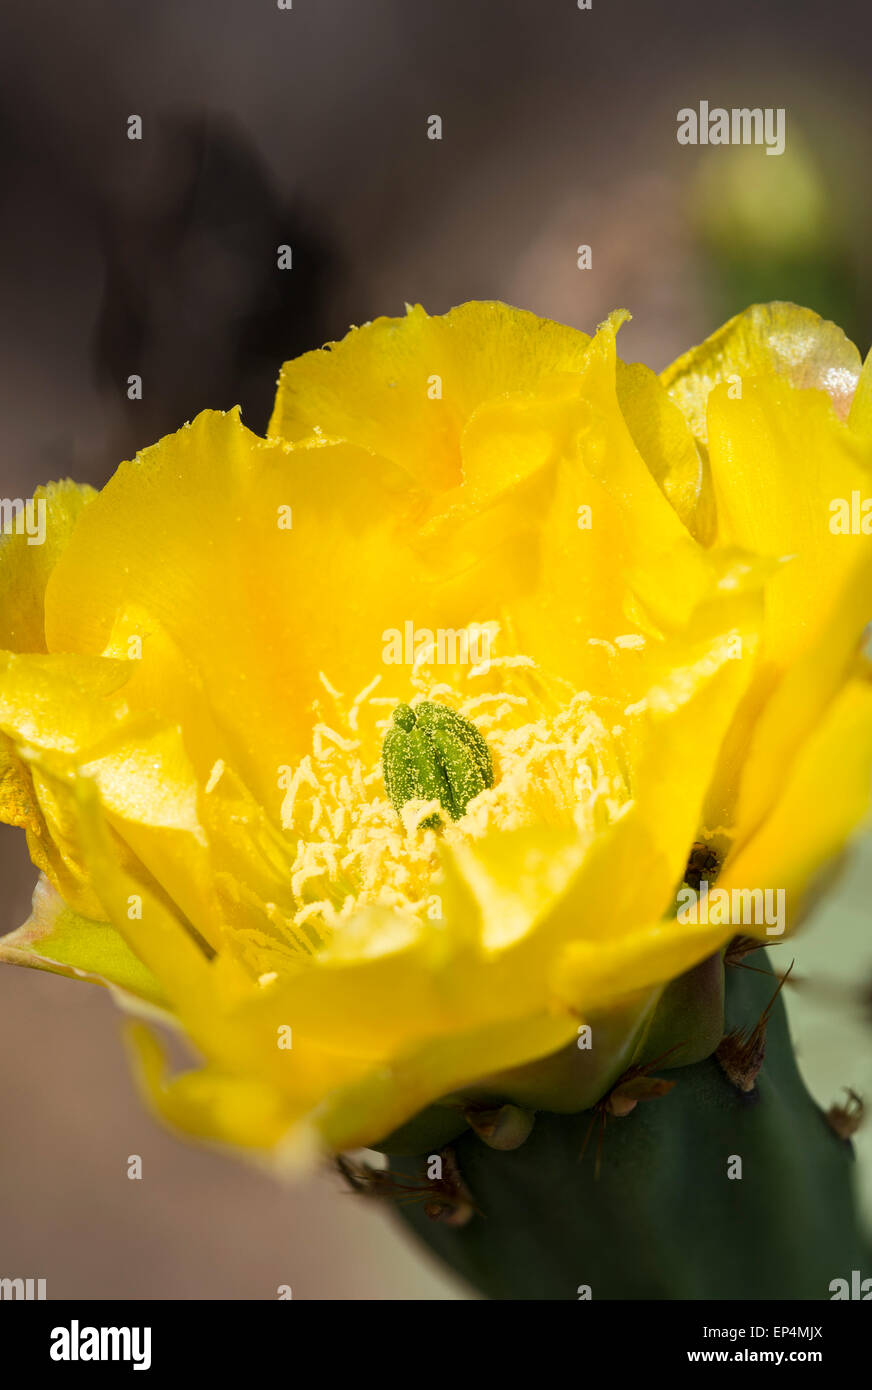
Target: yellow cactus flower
639	591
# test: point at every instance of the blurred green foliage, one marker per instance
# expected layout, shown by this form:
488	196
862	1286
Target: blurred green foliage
774	227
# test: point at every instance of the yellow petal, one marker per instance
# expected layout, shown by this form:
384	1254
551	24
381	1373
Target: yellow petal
364	1111
378	387
209	1104
589	978
56	705
57	939
772	340
62	715
822	803
663	437
779	458
613	561
25	568
860	417
190	536
825	798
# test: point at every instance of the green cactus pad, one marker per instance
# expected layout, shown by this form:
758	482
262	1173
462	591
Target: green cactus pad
664	1220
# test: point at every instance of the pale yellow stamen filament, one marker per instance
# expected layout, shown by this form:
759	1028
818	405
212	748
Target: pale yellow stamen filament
556	763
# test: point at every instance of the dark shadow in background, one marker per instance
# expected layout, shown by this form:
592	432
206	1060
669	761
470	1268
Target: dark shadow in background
192	291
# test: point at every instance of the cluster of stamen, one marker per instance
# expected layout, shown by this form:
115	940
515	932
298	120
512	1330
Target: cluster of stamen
556	763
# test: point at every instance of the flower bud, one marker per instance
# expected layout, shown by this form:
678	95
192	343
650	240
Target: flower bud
503	1127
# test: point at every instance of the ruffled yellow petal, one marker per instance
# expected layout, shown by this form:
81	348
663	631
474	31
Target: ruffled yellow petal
230	1017
860	416
821	805
364	1112
25	568
69	722
56	939
772	340
212	1105
664	439
404	388
779	460
615	566
50	707
589	978
24	572
824	800
205	515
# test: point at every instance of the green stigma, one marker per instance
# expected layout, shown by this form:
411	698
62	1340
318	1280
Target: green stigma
430	753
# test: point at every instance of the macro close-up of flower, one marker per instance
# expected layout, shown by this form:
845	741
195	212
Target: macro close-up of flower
405	768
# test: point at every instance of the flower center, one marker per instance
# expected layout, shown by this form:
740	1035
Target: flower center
430	752
556	761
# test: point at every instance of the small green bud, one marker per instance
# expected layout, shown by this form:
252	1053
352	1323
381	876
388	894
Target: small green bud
504	1127
432	754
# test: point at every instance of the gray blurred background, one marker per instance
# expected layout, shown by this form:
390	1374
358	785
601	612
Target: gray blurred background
158	257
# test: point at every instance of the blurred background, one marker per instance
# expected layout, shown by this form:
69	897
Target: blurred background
308	127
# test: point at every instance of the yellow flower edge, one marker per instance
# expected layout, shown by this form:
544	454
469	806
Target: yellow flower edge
199	665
